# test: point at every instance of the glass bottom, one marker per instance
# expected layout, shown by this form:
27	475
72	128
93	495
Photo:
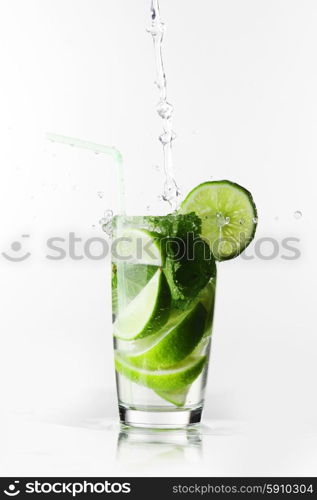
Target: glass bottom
161	419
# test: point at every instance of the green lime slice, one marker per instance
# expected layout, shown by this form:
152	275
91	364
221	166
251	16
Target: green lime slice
208	297
228	216
174	379
147	312
174	344
137	246
177	398
133	278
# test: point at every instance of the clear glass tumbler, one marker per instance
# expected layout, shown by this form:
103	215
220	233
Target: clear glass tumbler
163	294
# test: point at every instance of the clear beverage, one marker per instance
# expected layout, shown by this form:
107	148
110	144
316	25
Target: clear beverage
163	287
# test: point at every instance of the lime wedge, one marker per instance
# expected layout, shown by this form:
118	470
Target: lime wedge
177	398
134	277
208	297
137	246
174	379
228	216
147	312
175	343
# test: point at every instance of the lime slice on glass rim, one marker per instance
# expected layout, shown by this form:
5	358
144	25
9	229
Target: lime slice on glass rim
228	215
147	312
174	379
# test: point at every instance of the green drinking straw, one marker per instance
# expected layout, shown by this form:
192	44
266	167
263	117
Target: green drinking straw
97	148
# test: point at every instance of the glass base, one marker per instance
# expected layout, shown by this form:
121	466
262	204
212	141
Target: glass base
161	419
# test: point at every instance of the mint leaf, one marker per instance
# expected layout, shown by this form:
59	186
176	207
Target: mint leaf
188	268
175	224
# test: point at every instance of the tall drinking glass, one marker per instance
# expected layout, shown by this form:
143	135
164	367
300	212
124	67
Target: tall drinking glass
163	294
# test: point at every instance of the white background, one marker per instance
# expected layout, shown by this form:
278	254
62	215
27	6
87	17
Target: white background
242	76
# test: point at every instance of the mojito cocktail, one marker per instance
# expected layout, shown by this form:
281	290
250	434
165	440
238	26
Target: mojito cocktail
164	281
163	289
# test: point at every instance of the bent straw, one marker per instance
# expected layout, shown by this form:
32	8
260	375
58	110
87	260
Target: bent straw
97	148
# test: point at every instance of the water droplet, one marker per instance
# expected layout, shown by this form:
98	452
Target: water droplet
221	220
298	214
255	220
106	222
167	196
241	221
157	168
97	152
108	214
276	218
107	228
167	138
100	194
165	110
75	187
171	192
156	29
93	226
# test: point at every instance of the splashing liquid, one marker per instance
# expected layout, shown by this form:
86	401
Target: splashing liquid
106	222
298	214
164	108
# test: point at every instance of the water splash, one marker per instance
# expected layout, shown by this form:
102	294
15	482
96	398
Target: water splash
106	222
298	214
164	108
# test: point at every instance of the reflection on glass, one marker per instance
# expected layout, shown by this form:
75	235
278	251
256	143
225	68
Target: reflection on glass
139	446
